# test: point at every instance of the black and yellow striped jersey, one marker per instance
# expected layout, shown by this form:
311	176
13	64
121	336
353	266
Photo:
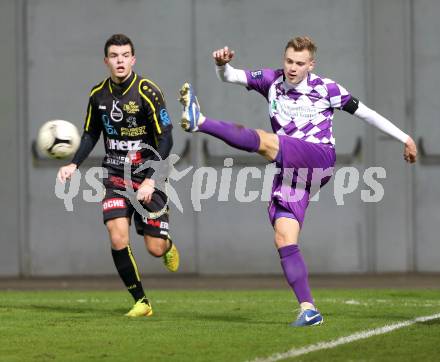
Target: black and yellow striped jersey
128	115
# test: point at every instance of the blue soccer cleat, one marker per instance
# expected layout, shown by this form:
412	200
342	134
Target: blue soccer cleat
191	116
308	317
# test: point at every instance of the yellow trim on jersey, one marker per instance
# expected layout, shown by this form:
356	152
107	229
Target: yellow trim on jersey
150	81
99	87
159	131
132	82
130	254
89	116
128	88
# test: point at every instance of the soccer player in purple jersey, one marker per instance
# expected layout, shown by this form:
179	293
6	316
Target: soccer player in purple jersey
301	106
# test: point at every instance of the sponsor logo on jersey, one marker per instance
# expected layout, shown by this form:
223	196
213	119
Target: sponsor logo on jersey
116	113
115	203
257	74
133	132
134	157
114	160
109	128
131	107
164	117
101	106
131	121
288	109
122	145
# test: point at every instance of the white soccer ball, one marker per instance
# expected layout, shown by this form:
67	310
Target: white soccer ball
58	139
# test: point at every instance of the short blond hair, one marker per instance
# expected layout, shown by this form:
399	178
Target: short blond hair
300	43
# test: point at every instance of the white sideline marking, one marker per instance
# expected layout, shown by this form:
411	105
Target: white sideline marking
343	340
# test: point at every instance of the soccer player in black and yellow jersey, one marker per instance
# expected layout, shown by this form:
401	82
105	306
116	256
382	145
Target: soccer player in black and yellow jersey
129	111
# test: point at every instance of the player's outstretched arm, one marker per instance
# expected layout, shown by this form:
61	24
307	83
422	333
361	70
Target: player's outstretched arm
372	117
86	146
225	72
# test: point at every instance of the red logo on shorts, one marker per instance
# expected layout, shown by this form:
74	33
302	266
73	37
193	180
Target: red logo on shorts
116	203
154	223
120	182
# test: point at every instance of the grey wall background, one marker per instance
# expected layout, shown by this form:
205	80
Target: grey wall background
384	52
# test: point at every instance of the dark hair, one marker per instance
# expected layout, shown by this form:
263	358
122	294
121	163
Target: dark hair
302	43
118	39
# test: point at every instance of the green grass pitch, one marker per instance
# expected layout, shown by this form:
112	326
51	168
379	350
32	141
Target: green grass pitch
213	326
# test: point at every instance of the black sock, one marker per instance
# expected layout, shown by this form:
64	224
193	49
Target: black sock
128	271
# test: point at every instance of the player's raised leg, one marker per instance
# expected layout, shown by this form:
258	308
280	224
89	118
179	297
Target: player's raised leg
295	269
125	263
156	232
165	249
237	136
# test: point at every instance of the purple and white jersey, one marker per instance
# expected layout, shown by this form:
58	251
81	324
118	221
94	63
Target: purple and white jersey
303	111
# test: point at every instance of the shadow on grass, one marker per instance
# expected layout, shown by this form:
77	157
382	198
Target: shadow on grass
225	317
163	316
69	309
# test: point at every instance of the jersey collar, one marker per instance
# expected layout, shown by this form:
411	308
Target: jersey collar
287	86
121	89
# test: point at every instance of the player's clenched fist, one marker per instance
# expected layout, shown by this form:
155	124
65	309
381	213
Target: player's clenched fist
223	56
65	172
410	152
145	191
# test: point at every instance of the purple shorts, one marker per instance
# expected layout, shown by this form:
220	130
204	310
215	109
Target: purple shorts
305	167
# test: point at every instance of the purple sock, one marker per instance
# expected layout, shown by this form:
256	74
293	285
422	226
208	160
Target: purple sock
295	271
237	136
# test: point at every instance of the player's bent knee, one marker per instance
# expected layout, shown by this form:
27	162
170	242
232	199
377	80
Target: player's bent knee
118	232
269	144
156	246
156	250
264	137
118	239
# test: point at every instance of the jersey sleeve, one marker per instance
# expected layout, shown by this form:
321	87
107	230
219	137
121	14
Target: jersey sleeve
260	80
154	102
91	134
338	96
92	124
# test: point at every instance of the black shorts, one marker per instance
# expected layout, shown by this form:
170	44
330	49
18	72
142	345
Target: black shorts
115	205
